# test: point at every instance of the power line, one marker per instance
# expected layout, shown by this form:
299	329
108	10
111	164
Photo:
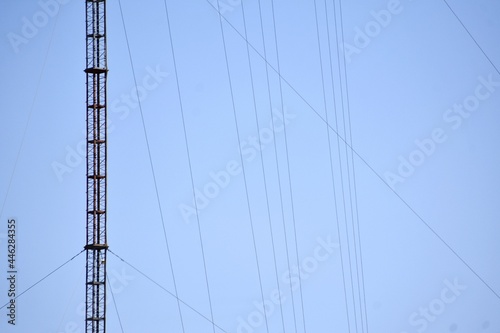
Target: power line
278	172
352	161
356	153
151	164
242	165
348	241
330	146
344	96
288	162
263	168
341	62
190	165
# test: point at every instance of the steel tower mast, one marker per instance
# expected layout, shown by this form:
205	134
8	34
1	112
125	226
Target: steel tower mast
96	247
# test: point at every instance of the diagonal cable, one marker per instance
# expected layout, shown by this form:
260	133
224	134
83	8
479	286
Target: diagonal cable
167	291
43	278
471	36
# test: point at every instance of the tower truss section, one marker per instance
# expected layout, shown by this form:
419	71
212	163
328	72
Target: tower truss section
96	242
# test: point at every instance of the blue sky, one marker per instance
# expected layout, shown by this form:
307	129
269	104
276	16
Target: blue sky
422	101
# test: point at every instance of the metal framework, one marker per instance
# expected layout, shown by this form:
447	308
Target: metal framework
96	247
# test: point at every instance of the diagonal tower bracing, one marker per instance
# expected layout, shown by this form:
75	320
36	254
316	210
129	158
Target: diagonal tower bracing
96	243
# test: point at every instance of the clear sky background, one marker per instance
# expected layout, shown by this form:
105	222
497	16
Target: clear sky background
423	102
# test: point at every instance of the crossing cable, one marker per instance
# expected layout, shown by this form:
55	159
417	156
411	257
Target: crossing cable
352	155
330	151
43	278
114	303
262	166
190	166
166	290
288	162
365	162
278	172
151	165
30	114
471	36
242	164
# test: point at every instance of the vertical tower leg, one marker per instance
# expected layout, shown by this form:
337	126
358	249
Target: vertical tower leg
96	243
